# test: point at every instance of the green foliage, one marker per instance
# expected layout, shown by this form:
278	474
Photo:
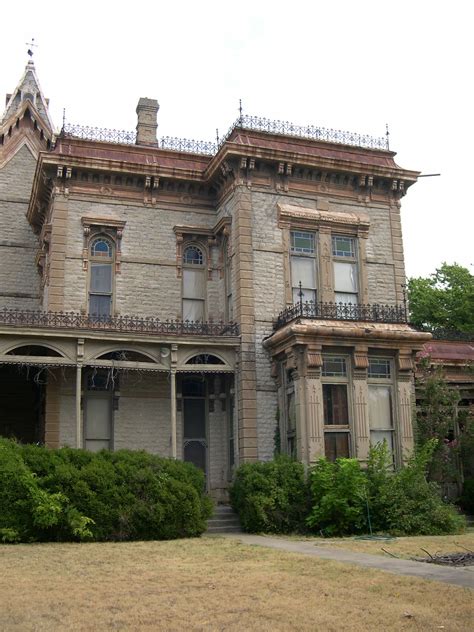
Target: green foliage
444	299
72	494
436	418
439	417
338	493
27	510
271	496
411	505
347	499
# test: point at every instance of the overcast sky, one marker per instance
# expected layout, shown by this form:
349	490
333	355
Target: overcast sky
345	65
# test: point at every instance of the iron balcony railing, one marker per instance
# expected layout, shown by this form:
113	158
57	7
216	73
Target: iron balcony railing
123	324
246	122
342	311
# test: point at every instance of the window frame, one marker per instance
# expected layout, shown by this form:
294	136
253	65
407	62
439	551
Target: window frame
352	259
313	255
200	268
344	378
95	260
387	382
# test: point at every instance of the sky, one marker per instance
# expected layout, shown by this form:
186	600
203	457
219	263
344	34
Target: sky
346	65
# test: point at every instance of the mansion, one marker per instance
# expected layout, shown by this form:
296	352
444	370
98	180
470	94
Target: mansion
208	302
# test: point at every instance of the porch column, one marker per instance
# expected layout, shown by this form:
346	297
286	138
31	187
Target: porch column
173	414
406	400
78	406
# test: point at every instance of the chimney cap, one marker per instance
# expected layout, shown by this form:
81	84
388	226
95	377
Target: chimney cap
145	102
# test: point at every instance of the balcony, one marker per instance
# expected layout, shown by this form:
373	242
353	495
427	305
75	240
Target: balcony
122	324
342	311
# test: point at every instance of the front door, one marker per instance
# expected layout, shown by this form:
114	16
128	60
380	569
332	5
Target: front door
195	422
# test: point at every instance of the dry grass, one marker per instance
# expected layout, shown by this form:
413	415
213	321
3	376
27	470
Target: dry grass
211	584
408	547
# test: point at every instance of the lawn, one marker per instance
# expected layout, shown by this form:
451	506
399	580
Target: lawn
407	547
212	584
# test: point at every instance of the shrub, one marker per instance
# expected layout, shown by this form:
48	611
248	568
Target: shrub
29	512
270	496
74	494
338	497
405	502
347	499
414	504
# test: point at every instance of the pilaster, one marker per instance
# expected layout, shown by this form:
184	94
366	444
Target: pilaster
326	293
57	256
314	399
405	408
361	402
245	312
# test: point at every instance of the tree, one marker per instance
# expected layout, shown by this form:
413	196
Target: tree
443	300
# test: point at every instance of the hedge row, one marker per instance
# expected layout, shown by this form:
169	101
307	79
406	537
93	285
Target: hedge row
342	498
68	494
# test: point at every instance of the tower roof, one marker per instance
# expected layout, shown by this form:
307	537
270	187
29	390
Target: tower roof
28	89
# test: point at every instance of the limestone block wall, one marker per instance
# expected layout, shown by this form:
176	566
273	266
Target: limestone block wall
19	279
148	282
67	408
142	421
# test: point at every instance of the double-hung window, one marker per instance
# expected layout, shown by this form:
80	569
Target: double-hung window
303	266
336	407
344	253
101	277
194	284
380	401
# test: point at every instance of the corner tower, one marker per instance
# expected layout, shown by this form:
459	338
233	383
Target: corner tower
26	129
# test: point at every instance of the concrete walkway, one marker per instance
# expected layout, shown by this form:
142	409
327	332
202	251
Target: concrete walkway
459	576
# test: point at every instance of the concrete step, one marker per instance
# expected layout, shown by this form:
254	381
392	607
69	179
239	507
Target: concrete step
229	522
223	509
224	520
215	530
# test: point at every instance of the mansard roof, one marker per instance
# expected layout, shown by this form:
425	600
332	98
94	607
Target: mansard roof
28	89
240	141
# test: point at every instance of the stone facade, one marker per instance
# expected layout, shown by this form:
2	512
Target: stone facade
120	245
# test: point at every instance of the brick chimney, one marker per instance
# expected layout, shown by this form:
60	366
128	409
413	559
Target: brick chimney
147	110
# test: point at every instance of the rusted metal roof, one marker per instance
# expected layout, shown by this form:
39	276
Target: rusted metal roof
448	350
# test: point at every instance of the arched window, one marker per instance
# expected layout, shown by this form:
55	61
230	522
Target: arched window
101	247
101	276
193	256
194	283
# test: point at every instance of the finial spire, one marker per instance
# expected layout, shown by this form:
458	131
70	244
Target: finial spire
387	134
31	45
240	111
